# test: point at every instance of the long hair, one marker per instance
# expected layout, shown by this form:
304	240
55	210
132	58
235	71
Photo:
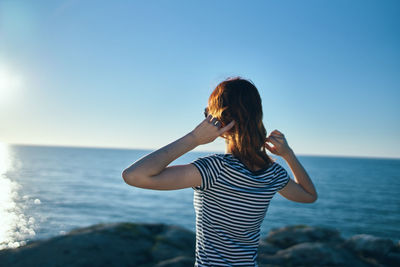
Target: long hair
238	99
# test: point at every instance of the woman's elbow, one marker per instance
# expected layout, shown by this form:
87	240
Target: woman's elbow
128	177
313	198
134	178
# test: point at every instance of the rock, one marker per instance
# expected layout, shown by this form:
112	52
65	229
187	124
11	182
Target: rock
267	248
393	259
180	261
318	254
369	245
291	235
173	241
374	250
271	260
115	244
140	244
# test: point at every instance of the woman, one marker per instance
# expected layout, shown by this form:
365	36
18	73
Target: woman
232	190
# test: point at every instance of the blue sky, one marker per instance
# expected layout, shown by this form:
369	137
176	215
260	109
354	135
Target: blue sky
137	74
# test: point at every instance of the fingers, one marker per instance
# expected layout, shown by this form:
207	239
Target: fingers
277	133
214	121
271	149
227	127
278	136
274	140
268	146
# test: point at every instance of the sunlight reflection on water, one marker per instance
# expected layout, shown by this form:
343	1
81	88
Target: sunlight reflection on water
15	227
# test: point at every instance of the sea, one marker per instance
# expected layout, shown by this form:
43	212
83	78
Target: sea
47	191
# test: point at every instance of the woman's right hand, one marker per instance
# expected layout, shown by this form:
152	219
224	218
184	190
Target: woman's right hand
280	146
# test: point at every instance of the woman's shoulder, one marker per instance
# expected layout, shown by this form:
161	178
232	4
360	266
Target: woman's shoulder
230	159
211	158
215	157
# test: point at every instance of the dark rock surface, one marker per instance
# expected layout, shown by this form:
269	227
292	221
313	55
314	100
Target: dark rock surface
115	244
302	245
130	244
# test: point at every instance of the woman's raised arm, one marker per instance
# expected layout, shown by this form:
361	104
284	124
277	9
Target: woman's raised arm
302	189
151	171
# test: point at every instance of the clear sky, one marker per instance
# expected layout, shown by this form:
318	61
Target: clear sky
137	74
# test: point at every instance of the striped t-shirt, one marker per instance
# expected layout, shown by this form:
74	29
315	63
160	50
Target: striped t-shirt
230	205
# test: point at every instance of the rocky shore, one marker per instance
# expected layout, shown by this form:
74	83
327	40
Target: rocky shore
131	244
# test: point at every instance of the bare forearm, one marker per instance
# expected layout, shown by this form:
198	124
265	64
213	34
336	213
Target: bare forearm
300	174
153	163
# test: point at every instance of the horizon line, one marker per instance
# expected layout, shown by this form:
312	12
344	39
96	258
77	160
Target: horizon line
199	151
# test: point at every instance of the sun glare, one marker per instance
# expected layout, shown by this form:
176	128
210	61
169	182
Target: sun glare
15	227
9	83
4	159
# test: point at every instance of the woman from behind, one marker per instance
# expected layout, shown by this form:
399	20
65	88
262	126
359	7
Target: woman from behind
232	191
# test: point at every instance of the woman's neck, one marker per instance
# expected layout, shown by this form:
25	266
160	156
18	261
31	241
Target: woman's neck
227	147
228	150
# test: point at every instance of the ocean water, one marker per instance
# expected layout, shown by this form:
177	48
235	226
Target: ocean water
47	191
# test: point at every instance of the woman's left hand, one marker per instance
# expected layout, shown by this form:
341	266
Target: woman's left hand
209	129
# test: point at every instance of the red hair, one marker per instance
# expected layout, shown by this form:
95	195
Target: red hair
238	99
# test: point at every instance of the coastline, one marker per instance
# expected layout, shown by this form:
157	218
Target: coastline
146	244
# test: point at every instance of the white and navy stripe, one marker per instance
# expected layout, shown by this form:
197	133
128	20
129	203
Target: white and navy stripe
230	206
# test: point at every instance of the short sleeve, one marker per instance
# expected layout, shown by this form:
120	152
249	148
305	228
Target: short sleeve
210	168
282	177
